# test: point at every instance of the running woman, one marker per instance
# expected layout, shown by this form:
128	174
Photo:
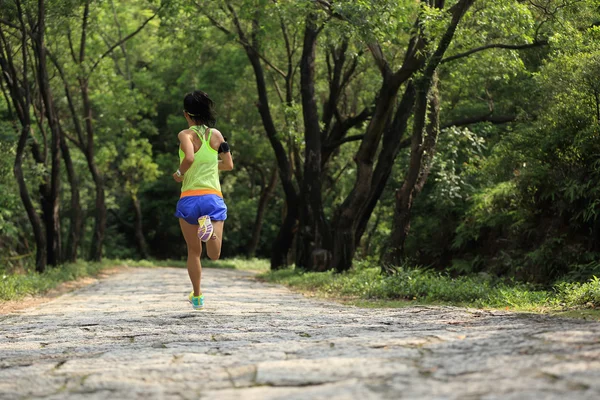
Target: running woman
203	152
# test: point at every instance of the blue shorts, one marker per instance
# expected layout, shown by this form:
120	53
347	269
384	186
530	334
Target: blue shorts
191	208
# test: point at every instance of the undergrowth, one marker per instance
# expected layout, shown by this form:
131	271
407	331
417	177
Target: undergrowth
364	283
430	287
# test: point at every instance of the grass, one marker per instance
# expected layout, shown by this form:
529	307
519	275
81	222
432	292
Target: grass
15	286
364	286
241	264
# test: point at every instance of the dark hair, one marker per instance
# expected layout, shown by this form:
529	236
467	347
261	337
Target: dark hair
200	108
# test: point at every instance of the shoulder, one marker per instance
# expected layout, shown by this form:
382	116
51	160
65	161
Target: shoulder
186	133
217	136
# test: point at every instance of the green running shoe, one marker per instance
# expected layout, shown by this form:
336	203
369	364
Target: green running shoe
197	301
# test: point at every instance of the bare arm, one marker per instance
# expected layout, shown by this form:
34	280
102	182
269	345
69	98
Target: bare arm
186	145
225	162
225	159
185	142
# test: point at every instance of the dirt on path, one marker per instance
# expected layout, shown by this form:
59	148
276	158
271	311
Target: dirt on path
133	335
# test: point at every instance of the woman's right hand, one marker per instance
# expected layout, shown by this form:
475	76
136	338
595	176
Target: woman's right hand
177	178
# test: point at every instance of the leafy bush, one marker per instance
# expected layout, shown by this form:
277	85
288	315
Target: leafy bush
579	294
422	286
413	284
16	286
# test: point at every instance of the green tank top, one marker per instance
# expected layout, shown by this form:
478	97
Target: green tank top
203	175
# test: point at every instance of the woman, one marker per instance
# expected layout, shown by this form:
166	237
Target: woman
203	152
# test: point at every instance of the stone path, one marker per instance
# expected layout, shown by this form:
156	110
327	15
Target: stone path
133	336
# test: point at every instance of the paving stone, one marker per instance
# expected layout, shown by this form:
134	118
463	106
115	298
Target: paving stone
134	336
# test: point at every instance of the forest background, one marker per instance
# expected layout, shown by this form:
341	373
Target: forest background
458	136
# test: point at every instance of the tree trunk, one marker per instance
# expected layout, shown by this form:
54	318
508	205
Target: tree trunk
391	146
77	218
344	226
265	196
51	218
346	218
418	168
284	240
139	231
88	146
50	202
76	215
424	141
285	237
313	242
100	211
597	98
34	218
368	241
20	95
100	215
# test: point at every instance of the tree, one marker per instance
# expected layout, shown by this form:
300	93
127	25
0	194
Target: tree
41	101
137	167
292	174
83	119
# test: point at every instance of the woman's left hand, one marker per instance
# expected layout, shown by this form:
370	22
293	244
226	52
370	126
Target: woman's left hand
177	178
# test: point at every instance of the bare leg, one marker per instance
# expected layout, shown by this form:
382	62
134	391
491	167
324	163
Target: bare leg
194	249
213	246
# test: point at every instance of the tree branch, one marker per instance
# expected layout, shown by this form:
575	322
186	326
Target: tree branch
121	220
241	39
277	89
335	75
495	46
494	119
347	139
72	140
286	38
339	130
7	23
120	42
280	72
405	143
86	12
216	23
380	59
350	71
236	21
71	48
76	122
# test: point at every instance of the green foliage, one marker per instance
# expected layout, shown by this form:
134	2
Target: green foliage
14	251
580	294
16	286
9	201
138	166
418	285
496	207
422	286
527	205
460	151
517	200
242	264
